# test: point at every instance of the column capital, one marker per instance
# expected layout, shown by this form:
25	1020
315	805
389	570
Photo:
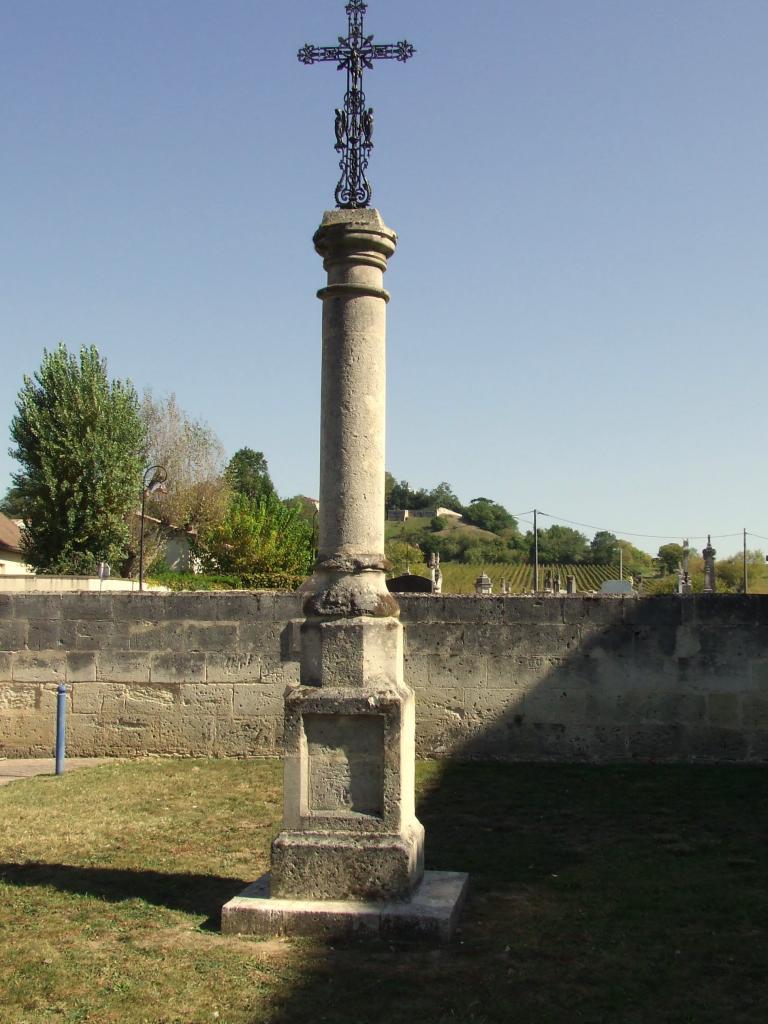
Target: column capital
354	236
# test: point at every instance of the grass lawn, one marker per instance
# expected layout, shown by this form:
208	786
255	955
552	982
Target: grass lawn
601	895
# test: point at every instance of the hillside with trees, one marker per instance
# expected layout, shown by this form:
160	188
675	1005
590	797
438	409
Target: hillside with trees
488	534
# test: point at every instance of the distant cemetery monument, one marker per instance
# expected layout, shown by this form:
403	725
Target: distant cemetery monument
710	585
350	857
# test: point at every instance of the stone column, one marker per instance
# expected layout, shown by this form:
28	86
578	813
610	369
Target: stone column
349	580
350	829
350	856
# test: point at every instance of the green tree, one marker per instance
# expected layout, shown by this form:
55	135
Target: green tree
401	495
561	544
80	441
258	541
443	496
12	504
389	484
670	556
485	552
450	546
489	515
247	473
730	572
196	493
636	562
403	556
603	548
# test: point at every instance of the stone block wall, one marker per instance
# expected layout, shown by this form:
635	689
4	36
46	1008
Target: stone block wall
149	673
519	678
590	678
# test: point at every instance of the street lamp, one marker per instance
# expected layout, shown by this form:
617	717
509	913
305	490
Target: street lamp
620	549
153	480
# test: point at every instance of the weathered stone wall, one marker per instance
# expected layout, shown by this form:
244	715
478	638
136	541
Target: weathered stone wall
165	673
573	678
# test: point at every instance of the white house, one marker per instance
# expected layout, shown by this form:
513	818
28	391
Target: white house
11	558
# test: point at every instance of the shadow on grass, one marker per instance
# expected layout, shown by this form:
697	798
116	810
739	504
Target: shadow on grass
200	895
616	893
599	894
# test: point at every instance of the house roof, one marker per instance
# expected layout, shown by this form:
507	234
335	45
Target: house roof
10	535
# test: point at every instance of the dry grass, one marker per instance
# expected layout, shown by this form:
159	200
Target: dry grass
601	895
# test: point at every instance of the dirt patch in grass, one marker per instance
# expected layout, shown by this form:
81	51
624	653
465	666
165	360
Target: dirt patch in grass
600	895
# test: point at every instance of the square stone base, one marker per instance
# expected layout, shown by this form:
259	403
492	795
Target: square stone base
431	914
344	866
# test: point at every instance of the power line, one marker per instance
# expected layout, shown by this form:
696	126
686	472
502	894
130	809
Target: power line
650	536
629	533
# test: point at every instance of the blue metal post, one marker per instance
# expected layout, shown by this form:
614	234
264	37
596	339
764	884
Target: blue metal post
61	726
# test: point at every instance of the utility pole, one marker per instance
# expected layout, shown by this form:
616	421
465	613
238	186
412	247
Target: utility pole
746	581
535	553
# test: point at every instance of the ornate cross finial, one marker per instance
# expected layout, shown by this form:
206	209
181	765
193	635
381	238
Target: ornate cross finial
354	121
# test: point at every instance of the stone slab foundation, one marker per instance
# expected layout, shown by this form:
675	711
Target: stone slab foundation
430	914
514	678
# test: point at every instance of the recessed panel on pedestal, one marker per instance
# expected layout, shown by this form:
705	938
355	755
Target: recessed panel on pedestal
345	764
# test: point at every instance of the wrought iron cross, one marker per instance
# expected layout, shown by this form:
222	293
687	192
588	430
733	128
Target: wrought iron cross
354	121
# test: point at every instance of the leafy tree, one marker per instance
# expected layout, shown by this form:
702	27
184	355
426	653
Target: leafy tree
389	485
489	515
80	440
670	556
256	540
306	507
730	572
603	548
12	504
485	552
443	496
448	545
636	562
469	548
561	544
247	473
399	493
196	493
402	496
403	556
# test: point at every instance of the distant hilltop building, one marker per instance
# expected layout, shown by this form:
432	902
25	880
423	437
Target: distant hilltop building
399	515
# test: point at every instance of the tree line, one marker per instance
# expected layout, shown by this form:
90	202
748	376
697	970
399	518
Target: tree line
83	443
556	544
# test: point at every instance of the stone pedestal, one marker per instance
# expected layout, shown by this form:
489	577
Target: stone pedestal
350	834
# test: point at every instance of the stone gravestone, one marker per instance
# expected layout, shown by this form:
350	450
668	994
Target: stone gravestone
350	856
616	587
483	585
410	583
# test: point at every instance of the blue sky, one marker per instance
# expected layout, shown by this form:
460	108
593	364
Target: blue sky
579	308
